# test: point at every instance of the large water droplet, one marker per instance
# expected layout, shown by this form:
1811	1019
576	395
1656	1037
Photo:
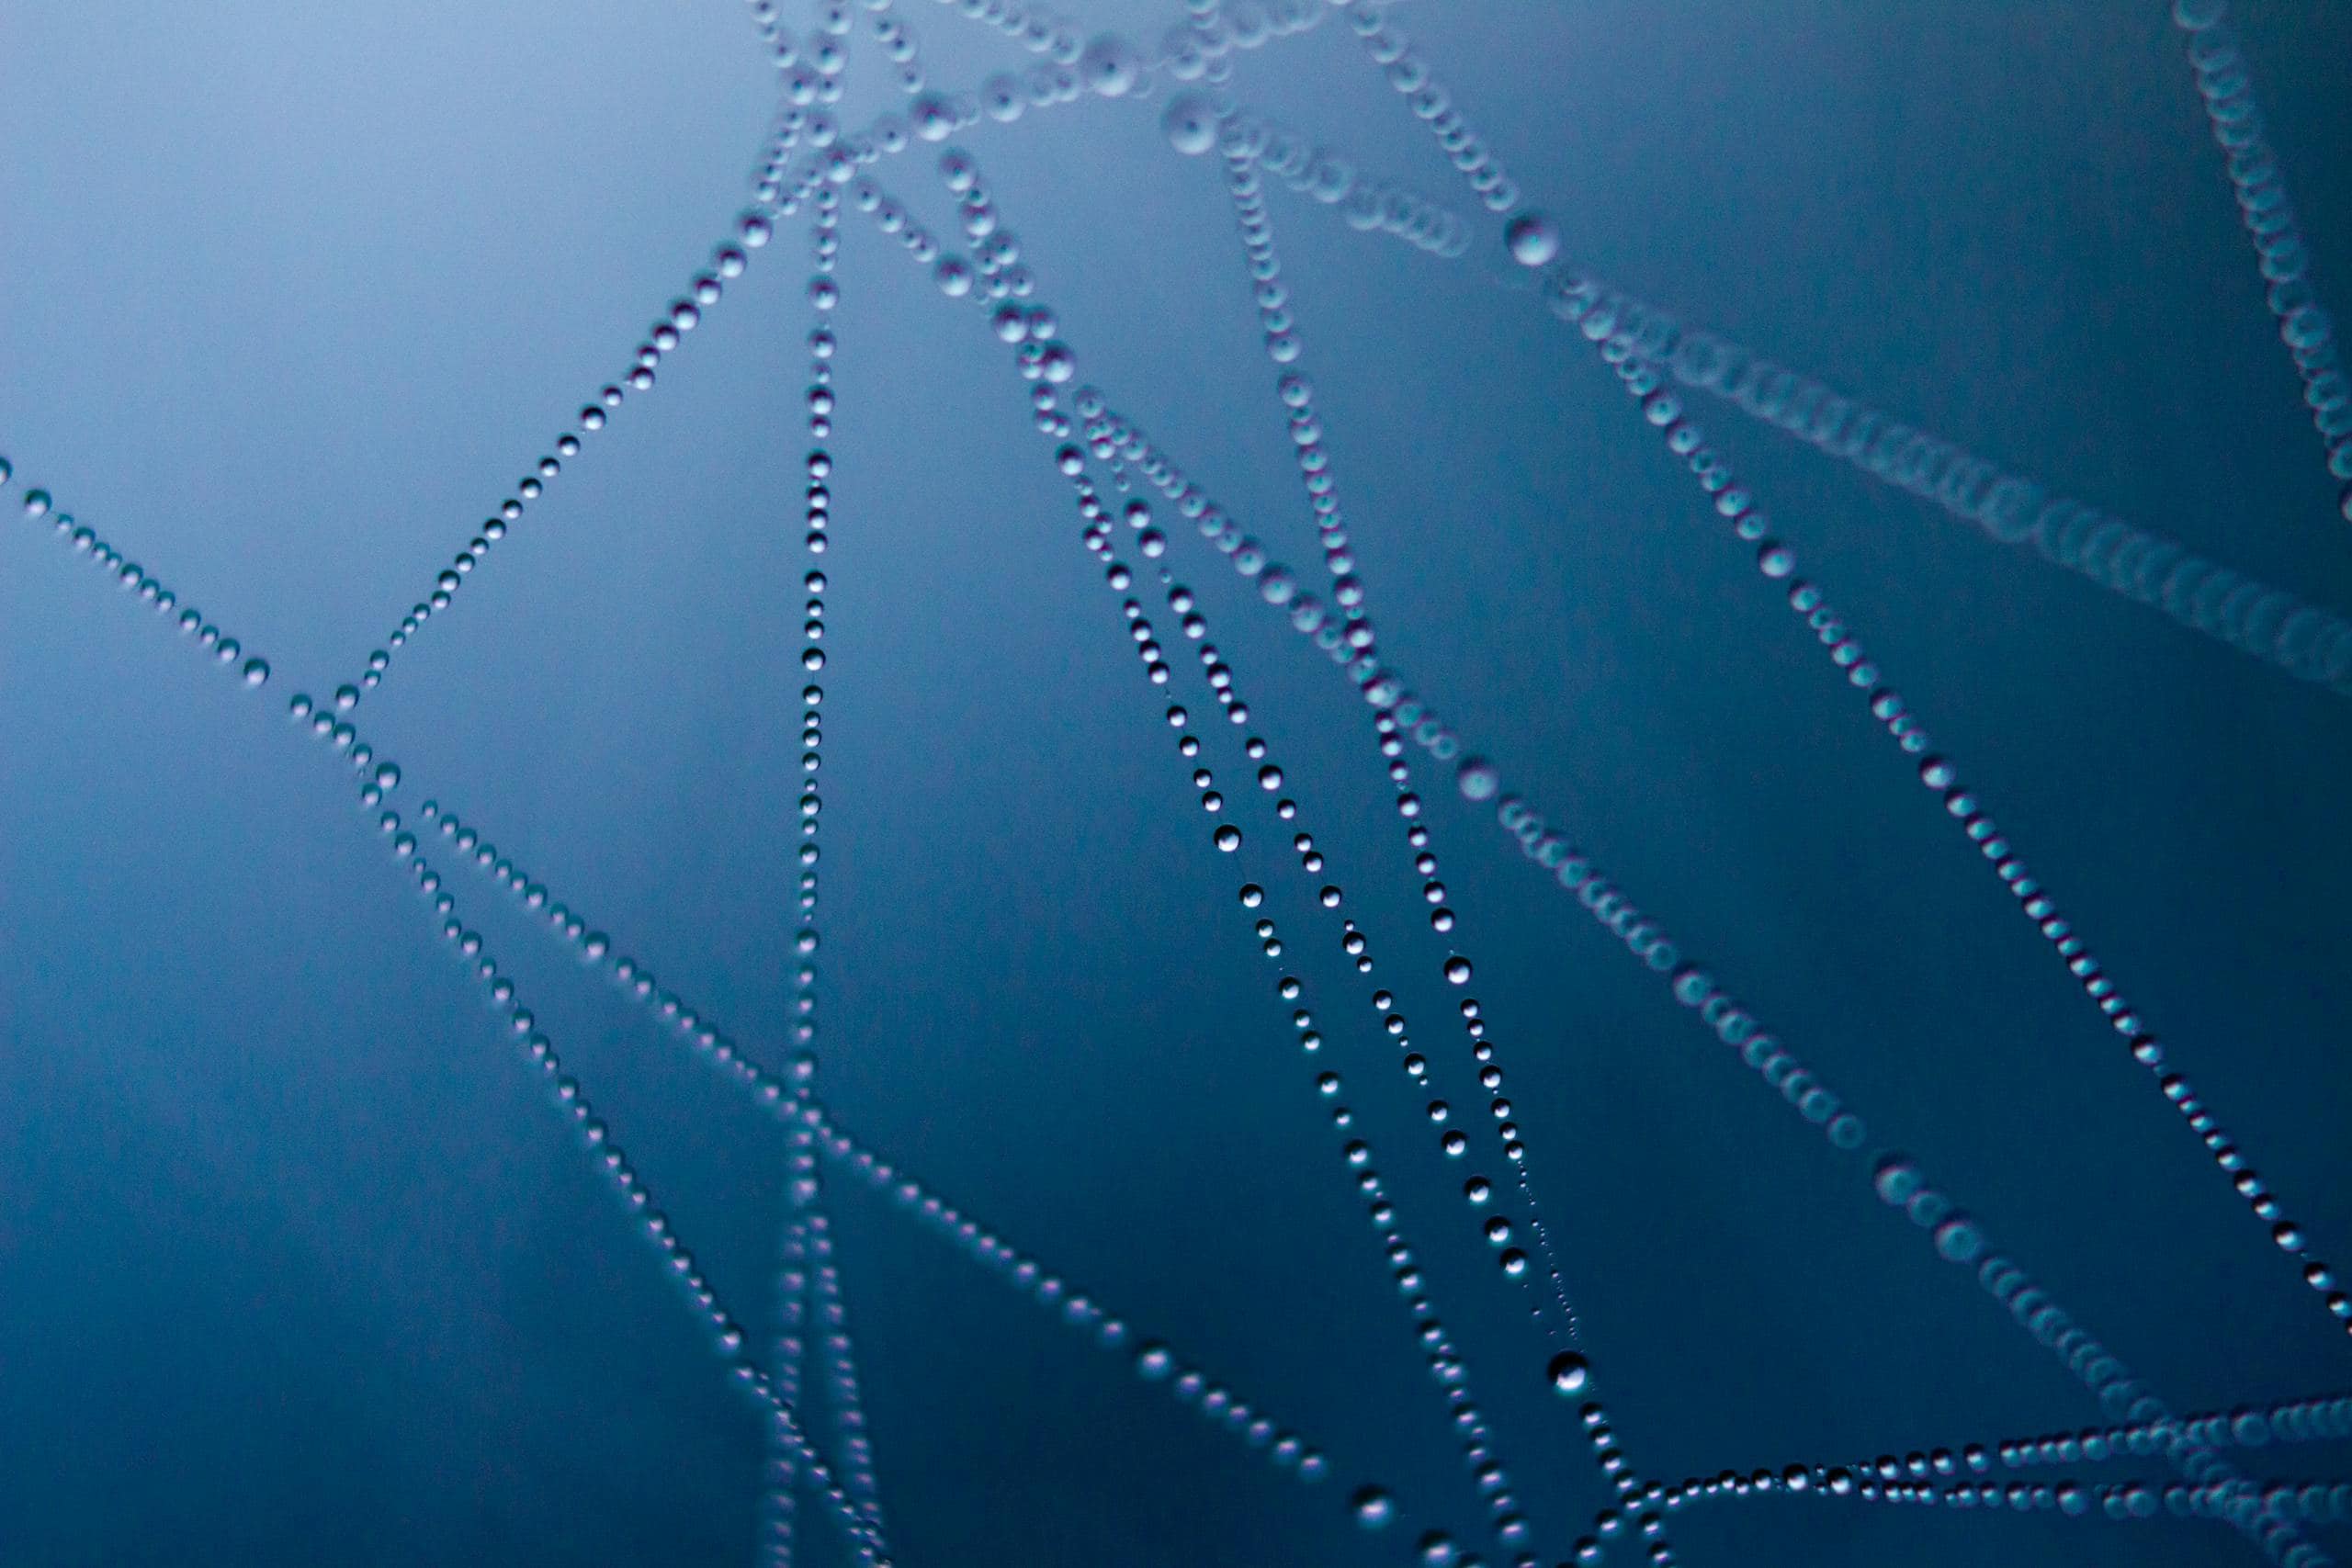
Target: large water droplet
1534	239
933	118
1569	1372
1111	66
1189	123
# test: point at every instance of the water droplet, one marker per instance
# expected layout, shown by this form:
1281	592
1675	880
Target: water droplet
1959	1239
36	503
1001	98
256	672
1897	1179
1189	123
1229	838
1534	239
1457	969
755	229
1109	66
1371	1507
934	117
1569	1372
1479	779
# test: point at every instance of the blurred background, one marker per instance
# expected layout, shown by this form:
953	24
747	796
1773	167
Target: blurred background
297	1265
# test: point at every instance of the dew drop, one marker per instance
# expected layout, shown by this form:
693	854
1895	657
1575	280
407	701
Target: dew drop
1959	1239
1229	838
256	672
1001	98
1897	1179
1534	239
1457	969
1109	66
1189	123
1479	779
1371	1507
933	118
1569	1372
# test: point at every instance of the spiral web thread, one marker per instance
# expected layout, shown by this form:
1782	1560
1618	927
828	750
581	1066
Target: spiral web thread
810	168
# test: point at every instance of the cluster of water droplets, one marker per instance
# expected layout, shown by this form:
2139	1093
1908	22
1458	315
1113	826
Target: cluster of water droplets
1197	122
1041	357
807	1239
140	584
680	317
2225	85
1434	105
378	778
812	1131
1776	562
2274	626
1954	1478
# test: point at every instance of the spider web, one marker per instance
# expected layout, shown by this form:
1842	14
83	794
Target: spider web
1139	511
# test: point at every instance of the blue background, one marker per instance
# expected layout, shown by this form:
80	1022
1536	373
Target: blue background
297	1267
